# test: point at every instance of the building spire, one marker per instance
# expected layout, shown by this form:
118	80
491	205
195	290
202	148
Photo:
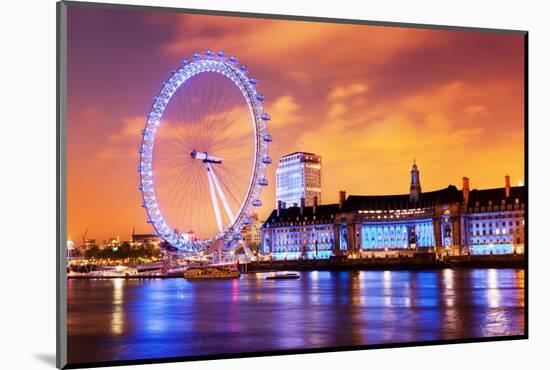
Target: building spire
415	183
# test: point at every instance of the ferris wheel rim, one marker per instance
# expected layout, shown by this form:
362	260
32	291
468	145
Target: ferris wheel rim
230	68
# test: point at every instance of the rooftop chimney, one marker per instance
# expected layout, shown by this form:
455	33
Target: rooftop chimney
279	206
465	189
507	185
342	198
302	205
315	200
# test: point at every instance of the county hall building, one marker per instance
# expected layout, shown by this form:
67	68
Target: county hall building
449	221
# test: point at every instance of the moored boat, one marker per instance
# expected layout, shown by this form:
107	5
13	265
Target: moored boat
283	276
212	272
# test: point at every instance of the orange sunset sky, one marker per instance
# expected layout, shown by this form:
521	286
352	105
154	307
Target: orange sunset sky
366	98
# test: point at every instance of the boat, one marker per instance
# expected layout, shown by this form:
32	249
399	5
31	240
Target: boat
212	272
283	276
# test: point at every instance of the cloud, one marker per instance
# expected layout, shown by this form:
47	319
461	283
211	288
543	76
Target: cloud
124	143
357	143
129	128
475	110
296	50
117	153
284	111
337	110
341	92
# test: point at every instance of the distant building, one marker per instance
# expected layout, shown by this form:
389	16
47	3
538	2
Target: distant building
112	242
146	239
299	176
447	221
251	231
89	242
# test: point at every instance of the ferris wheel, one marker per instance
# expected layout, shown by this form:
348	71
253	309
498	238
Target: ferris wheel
204	153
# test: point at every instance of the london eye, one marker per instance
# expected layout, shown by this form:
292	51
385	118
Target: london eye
204	153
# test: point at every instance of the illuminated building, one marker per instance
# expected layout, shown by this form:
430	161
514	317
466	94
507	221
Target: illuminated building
251	231
495	220
299	176
139	240
146	238
110	243
300	232
446	222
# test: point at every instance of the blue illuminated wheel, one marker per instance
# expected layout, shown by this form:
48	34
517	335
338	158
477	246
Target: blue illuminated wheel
204	153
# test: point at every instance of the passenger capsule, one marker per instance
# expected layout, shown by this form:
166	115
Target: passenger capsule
257	203
265	117
268	138
262	182
266	159
233	60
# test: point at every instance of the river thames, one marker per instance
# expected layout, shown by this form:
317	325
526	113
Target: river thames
118	319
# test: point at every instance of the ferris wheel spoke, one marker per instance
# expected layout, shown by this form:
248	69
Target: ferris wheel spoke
215	204
230	184
228	210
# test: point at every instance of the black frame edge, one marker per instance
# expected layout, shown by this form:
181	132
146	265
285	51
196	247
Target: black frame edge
61	160
290	17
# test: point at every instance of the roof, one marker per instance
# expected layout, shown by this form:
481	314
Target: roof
380	202
307	153
290	214
496	196
353	203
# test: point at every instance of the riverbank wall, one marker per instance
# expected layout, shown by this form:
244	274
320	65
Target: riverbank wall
418	262
424	261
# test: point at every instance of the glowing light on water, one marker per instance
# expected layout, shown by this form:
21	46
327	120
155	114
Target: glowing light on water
493	293
117	319
448	278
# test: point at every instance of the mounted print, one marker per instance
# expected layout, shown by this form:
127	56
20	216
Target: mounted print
235	184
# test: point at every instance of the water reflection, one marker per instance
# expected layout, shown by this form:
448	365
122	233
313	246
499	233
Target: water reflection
117	319
133	319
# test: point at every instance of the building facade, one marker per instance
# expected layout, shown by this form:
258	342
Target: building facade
446	222
251	231
300	232
298	176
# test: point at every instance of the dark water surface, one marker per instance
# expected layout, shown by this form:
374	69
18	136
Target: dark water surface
137	319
